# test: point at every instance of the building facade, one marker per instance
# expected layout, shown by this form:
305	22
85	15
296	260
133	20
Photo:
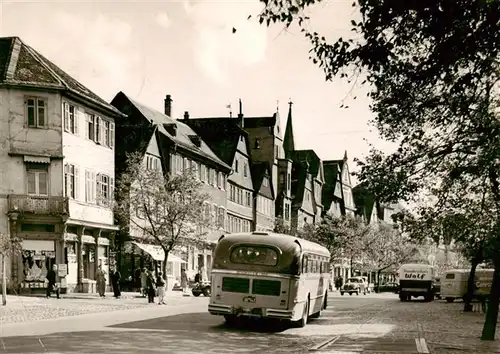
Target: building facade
231	144
57	175
179	147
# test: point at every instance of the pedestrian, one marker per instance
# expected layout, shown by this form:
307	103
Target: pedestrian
115	282
184	282
150	286
197	277
144	277
52	285
101	282
160	286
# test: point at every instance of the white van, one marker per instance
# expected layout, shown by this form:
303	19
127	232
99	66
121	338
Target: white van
454	284
416	280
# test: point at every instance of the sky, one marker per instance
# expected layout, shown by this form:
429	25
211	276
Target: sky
187	49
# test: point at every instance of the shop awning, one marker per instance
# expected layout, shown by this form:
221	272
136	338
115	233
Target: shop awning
156	252
37	159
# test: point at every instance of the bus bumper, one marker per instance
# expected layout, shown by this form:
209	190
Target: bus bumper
221	310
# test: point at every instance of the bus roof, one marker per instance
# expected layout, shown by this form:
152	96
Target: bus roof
272	238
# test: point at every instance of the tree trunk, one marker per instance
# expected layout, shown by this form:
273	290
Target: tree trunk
490	323
4	280
164	270
378	276
470	285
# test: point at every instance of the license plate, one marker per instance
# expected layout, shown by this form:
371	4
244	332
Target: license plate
249	299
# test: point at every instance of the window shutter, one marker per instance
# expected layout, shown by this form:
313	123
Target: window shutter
111	135
93	188
66	180
78	118
66	116
102	136
87	122
87	186
111	190
76	185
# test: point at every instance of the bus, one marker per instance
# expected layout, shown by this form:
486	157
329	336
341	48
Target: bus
269	275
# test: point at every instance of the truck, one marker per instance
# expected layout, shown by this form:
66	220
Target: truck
416	280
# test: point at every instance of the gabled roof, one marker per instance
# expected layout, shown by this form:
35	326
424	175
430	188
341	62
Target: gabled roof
259	170
364	201
311	158
331	169
221	135
258	122
21	65
182	136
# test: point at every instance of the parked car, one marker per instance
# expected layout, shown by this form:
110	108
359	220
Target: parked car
354	285
387	288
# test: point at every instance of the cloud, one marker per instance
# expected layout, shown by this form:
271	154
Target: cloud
163	20
217	49
93	50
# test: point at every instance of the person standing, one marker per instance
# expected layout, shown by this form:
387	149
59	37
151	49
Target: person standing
101	282
184	282
144	278
160	286
52	285
150	286
115	282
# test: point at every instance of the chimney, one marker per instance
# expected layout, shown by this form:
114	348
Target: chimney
168	105
171	128
240	116
186	115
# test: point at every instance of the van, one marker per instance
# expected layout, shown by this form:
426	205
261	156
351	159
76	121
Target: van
416	280
454	284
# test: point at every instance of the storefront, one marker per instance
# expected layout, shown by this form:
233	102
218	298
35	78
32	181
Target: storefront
37	257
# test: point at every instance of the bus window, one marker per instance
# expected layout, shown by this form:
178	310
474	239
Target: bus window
305	264
258	255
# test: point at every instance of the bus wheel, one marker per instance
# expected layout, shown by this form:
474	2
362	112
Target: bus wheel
206	292
305	315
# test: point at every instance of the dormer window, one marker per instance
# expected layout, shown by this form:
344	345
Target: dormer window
236	166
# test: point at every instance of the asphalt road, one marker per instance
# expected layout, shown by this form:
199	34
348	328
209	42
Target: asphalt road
377	323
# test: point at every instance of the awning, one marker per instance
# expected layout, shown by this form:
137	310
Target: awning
156	252
37	159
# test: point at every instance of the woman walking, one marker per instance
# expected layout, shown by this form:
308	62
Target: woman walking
101	282
144	278
160	285
150	286
184	282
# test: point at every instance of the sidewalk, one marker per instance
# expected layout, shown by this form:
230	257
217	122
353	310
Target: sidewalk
95	296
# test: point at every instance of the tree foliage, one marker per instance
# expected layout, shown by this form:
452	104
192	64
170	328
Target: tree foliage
433	69
167	210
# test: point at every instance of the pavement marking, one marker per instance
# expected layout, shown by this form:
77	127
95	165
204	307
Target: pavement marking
324	343
421	346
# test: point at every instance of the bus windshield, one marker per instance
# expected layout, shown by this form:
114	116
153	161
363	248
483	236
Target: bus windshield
258	255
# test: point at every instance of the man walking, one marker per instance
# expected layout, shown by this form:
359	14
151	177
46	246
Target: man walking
52	285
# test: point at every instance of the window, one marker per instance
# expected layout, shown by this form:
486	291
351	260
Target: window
206	177
70	118
276	152
249	199
221	217
236	166
258	255
265	182
90	186
219	182
289	181
71	184
245	169
105	133
198	170
305	265
287	211
282	178
224	182
38	182
232	193
105	189
90	123
36	112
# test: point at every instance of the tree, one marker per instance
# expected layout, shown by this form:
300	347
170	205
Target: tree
345	237
167	210
433	69
386	248
8	248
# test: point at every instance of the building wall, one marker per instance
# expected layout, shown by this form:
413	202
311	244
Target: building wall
91	160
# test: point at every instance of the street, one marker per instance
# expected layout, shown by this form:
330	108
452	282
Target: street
376	323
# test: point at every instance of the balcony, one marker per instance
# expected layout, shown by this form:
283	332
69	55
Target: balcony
38	205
